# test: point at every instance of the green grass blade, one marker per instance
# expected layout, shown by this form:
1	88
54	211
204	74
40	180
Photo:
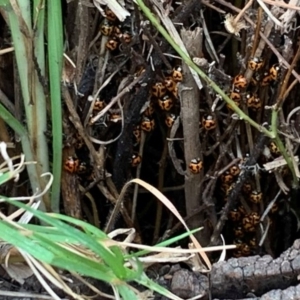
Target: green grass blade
55	54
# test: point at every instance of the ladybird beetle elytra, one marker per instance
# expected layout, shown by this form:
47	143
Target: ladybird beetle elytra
117	31
227	177
110	15
234	215
115	117
234	170
112	44
274	149
170	84
106	28
240	81
158	90
124	37
235	95
255	64
196	165
71	164
250	221
177	74
256	197
274	72
135	160
170	119
238	232
165	103
208	122
147	124
253	102
98	105
137	133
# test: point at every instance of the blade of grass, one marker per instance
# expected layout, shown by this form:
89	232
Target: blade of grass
55	53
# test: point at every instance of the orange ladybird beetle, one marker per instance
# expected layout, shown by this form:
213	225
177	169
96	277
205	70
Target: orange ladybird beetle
106	28
177	74
98	105
255	64
170	84
208	122
274	149
165	103
137	133
253	102
195	165
250	221
147	124
125	37
135	160
238	232
227	177
110	16
71	164
240	81
234	170
235	95
274	71
170	119
247	188
158	90
112	44
256	197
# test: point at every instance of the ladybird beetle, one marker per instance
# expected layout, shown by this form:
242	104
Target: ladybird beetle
125	37
234	170
117	31
253	102
266	80
149	110
255	64
112	44
227	177
238	232
170	84
234	215
247	188
256	197
242	249
177	74
170	119
147	124
253	243
240	81
250	221
274	71
106	28
110	16
165	103
196	165
235	95
274	149
115	117
137	133
98	105
135	160
208	122
71	164
158	90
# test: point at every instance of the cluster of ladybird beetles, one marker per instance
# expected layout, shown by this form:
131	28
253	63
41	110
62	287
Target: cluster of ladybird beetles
259	78
116	34
164	94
